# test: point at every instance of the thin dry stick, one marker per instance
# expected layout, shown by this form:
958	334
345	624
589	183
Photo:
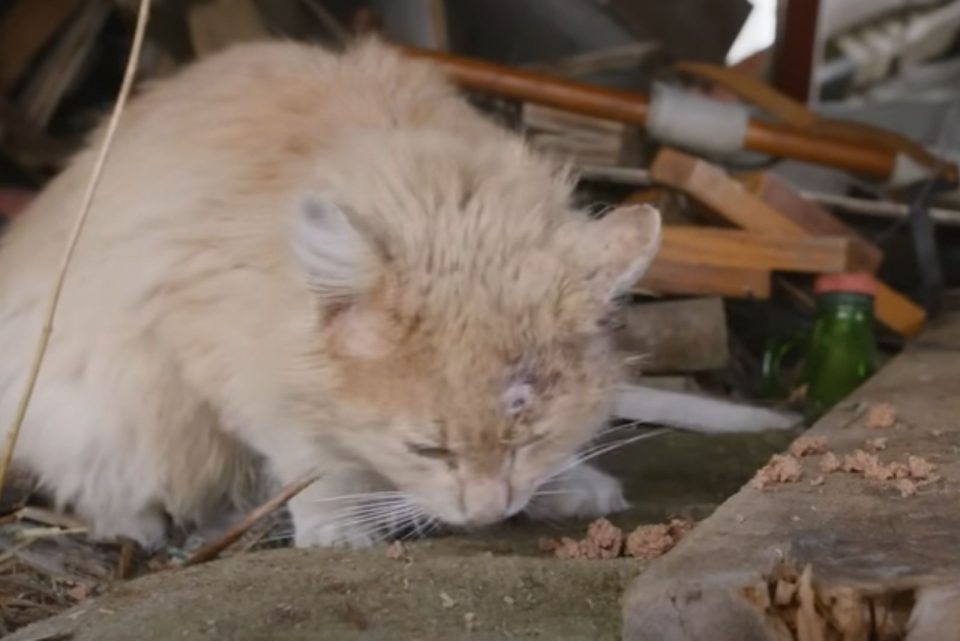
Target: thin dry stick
14	431
212	550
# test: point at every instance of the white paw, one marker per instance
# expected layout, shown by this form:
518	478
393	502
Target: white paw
583	492
326	534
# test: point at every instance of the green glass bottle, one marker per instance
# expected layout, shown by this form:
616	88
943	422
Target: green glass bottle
842	352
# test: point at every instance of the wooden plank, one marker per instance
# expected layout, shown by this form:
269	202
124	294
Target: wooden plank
728	198
691	279
751	250
217	25
813	218
25	30
676	335
857	534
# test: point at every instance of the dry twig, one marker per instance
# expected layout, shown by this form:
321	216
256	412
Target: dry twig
14	431
212	550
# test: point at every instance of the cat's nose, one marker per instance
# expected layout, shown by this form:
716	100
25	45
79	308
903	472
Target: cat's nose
485	502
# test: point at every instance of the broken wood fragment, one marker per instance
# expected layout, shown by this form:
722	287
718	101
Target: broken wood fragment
811	217
683	277
728	198
751	250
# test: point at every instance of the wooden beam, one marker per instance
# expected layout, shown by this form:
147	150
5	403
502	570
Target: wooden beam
690	279
726	197
813	218
752	250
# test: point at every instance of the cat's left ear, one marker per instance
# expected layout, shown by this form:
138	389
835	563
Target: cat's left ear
338	261
617	249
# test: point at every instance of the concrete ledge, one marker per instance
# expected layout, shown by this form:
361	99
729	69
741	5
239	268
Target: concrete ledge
854	532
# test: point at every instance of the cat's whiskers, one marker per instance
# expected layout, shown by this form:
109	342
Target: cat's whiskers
600	449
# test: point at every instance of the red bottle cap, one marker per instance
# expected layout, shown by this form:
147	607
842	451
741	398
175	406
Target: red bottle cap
853	283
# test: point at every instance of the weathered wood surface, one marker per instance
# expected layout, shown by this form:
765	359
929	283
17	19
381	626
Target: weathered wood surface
852	531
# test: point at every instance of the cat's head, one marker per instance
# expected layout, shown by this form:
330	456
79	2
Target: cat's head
462	308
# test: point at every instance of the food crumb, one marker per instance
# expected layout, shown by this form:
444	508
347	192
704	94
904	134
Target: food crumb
881	416
830	462
817	481
906	487
920	468
808	445
447	601
782	468
876	444
606	541
936	433
396	551
508	599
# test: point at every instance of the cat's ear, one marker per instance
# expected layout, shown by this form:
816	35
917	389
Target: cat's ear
617	249
339	263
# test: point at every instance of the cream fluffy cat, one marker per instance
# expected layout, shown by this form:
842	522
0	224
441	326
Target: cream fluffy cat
302	261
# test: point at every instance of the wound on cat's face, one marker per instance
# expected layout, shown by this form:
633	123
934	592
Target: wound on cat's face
469	384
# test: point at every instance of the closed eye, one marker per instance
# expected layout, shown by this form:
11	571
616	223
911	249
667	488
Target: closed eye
430	451
531	440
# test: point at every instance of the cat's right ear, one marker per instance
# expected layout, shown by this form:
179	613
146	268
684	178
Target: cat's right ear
338	261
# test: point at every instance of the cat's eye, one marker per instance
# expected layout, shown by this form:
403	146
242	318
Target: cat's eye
517	398
430	451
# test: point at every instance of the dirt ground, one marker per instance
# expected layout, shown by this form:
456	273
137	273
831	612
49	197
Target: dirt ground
492	585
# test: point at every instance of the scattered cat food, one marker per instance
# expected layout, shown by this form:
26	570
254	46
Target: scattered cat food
881	416
906	487
397	552
870	466
830	463
920	468
604	540
796	607
782	468
808	445
876	444
650	541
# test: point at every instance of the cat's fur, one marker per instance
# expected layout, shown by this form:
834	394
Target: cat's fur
322	263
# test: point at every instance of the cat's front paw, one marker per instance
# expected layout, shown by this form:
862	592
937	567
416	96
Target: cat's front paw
582	492
326	534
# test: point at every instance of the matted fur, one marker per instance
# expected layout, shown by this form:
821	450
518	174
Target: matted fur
324	263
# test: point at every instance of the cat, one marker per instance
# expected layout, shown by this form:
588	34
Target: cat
299	261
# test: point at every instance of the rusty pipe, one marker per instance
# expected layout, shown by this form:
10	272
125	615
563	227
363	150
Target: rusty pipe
859	157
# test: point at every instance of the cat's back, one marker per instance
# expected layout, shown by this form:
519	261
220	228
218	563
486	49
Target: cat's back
234	129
